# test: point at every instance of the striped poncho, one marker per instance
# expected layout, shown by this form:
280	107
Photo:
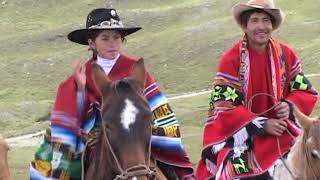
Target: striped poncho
59	155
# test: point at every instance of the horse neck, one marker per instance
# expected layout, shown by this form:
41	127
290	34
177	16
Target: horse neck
5	176
4	172
296	158
298	161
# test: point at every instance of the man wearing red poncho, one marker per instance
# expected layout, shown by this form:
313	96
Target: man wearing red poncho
259	81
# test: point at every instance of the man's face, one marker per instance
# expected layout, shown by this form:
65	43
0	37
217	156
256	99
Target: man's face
258	29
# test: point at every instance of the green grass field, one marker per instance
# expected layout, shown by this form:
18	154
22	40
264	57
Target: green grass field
181	42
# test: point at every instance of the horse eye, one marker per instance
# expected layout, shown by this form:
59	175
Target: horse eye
315	154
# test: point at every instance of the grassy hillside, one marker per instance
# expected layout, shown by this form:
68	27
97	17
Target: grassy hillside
181	41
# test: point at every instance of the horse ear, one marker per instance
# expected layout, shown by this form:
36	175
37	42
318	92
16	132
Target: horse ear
304	121
100	78
138	72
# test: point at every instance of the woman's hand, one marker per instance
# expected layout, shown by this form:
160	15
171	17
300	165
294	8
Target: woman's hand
275	126
79	73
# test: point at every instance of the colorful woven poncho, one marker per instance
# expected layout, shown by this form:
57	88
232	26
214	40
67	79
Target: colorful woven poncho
234	145
59	155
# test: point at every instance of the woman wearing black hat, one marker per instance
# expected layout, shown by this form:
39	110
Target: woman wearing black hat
74	110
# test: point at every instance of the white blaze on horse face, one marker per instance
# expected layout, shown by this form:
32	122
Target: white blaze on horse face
134	178
128	115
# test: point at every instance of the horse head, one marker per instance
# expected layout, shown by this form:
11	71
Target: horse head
4	168
124	145
310	144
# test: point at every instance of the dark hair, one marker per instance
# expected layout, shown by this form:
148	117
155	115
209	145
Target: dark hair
95	33
245	16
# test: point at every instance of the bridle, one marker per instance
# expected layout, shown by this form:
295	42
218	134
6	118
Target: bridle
137	170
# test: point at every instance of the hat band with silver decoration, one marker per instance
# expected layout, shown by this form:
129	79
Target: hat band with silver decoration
108	24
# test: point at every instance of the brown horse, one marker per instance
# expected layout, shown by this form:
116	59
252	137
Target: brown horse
4	168
303	161
123	149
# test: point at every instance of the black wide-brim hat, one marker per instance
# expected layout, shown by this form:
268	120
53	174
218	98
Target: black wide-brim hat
101	19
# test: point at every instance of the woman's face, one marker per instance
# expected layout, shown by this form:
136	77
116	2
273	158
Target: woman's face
107	44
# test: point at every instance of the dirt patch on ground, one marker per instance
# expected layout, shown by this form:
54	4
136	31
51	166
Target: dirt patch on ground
26	140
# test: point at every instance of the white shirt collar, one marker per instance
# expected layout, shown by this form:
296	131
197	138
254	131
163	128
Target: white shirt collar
107	64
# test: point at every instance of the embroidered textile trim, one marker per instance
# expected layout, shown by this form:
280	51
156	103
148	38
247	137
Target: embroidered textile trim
300	82
226	93
236	167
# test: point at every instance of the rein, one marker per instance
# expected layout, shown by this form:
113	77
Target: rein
283	161
278	141
137	170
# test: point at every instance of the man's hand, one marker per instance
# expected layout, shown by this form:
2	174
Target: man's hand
275	126
79	73
282	110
